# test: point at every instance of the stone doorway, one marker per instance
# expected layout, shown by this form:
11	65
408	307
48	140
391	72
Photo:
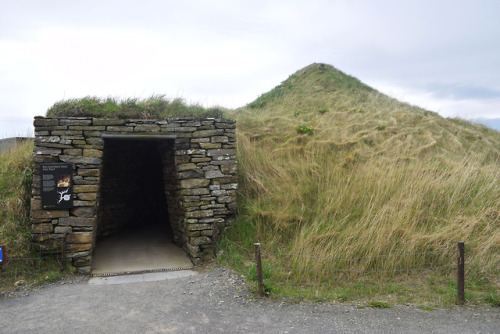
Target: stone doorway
137	226
199	178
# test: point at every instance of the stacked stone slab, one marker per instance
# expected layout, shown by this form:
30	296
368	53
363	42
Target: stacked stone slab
202	198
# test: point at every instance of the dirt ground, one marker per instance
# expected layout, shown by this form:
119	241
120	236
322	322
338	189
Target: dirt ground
214	301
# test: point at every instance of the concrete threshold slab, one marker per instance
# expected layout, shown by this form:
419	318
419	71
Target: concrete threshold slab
138	250
138	278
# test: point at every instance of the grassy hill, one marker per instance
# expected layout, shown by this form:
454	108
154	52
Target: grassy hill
331	168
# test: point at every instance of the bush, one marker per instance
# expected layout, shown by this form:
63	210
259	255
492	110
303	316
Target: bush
304	129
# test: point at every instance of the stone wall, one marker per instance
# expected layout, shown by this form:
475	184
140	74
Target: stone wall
199	178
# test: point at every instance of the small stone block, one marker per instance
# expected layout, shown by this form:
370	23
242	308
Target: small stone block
102	121
42	228
86	212
80	247
200	214
194	183
80	238
63	229
49	213
92	153
88	172
76	221
210	145
213	174
86	188
195	192
188	166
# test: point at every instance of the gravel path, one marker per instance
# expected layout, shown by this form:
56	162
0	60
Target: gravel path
214	301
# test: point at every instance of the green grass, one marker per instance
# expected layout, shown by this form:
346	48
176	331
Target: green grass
16	177
378	177
15	193
377	304
493	299
425	308
155	107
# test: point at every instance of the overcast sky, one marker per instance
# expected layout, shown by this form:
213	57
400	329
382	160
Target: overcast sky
440	55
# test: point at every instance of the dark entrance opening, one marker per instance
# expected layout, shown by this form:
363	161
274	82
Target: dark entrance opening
134	232
132	190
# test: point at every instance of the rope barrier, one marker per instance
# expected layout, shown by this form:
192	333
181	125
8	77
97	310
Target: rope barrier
356	283
487	248
342	259
358	258
240	247
362	271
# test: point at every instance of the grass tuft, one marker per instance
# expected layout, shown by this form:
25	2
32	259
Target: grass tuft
155	107
425	308
493	300
377	304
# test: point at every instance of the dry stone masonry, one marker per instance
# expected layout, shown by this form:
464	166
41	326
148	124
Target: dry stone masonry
188	164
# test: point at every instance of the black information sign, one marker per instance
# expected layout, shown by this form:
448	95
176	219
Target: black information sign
57	186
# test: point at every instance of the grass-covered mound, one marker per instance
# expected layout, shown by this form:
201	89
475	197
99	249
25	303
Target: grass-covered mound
330	168
155	107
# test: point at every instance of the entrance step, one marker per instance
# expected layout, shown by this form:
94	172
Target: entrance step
147	249
138	278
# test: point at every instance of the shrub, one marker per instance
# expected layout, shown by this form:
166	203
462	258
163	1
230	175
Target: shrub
304	129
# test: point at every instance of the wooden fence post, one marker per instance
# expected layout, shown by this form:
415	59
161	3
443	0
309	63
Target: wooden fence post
258	263
461	274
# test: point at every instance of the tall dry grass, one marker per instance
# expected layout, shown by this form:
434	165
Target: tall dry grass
377	177
15	192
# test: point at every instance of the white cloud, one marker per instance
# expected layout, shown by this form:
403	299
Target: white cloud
447	106
434	54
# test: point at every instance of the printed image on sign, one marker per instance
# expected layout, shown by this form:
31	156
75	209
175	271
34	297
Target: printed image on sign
57	189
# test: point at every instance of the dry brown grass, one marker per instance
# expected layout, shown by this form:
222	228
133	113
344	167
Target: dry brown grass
377	177
15	193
